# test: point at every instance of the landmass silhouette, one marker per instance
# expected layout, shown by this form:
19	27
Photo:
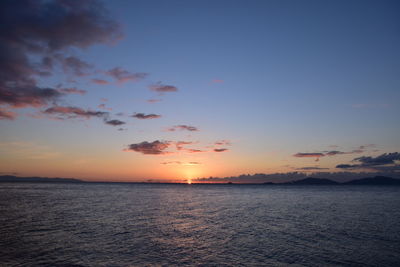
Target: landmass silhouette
377	180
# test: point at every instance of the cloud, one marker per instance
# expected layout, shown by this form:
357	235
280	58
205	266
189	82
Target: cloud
334	153
7	115
180	144
171	162
103	106
100	81
36	34
182	128
143	116
191	150
383	162
72	91
223	143
114	122
74	112
311	168
220	149
121	75
367	146
346	166
153	100
74	65
308	155
162	88
217	81
384	159
21	96
180	163
150	148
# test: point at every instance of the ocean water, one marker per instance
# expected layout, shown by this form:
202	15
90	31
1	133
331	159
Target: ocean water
198	225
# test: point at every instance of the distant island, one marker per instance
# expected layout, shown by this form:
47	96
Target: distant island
377	180
16	179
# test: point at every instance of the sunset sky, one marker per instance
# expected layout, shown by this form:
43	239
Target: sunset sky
175	90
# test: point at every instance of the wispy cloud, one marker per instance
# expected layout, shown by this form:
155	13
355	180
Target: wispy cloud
153	100
162	88
150	148
121	75
223	143
7	115
72	91
74	112
180	163
315	168
182	128
180	144
308	155
100	81
143	116
103	106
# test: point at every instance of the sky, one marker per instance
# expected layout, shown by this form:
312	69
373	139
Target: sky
180	90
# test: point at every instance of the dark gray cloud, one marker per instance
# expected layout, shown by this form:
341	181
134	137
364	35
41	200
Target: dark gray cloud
384	159
25	96
383	162
346	166
143	116
121	75
74	65
334	153
150	148
114	122
220	149
74	112
183	128
36	34
162	88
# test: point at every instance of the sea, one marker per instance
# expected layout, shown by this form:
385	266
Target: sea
110	224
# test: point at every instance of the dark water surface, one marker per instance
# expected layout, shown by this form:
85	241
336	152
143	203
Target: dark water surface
207	225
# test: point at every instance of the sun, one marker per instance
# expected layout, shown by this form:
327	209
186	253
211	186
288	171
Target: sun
189	181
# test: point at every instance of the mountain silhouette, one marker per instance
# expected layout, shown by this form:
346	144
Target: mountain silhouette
377	180
312	181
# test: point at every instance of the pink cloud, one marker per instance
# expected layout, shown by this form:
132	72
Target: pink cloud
7	115
100	81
